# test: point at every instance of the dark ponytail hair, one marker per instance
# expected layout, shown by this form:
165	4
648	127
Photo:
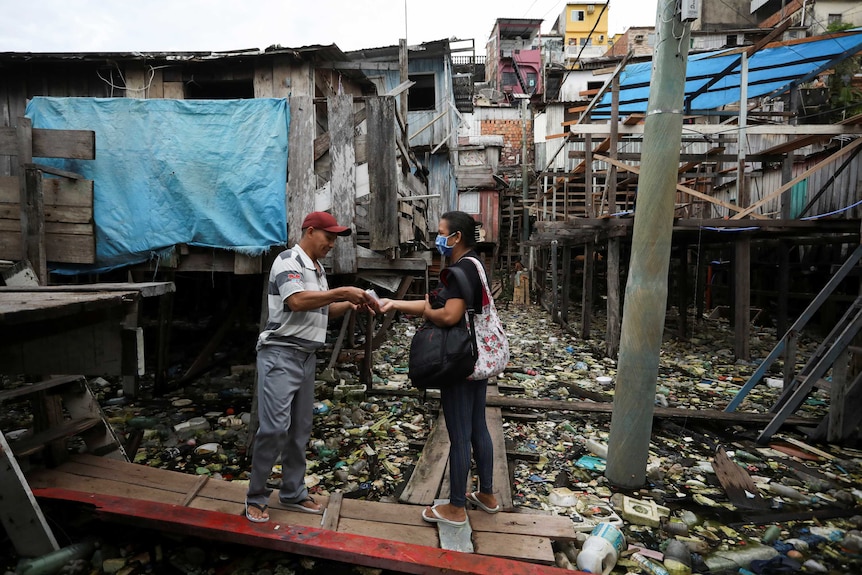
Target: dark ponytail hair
464	223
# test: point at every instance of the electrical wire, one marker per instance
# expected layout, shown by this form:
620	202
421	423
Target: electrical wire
832	213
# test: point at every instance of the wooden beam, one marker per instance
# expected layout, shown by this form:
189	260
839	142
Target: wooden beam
693	130
680	187
301	180
322	142
71	144
343	180
34	233
382	173
817	167
357	66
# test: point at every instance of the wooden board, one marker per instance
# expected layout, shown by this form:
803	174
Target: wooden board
301	177
382	174
417	534
68	220
288	538
522	536
72	144
522	547
502	486
424	483
343	180
738	485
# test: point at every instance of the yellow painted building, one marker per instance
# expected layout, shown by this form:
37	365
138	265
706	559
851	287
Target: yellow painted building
585	24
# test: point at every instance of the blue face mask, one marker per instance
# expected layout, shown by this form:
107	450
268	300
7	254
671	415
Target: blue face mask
441	243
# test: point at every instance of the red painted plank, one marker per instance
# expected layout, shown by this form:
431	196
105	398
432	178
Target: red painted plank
300	540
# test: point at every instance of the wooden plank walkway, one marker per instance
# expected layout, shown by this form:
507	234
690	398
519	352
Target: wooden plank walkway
128	491
430	478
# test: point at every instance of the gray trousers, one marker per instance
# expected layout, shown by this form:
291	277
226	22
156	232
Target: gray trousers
285	400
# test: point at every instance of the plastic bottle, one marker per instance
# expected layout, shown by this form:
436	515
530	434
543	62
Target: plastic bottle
648	566
733	559
601	549
786	491
54	561
677	558
597	447
771	535
674	527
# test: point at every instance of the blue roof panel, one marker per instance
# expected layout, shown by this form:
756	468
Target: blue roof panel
771	71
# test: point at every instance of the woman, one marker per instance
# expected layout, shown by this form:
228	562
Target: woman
463	402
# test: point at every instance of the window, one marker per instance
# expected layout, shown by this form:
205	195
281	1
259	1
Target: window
219	90
532	78
422	95
509	78
468	202
586	41
731	40
577	15
833	19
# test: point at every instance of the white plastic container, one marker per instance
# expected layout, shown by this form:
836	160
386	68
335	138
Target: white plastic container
601	549
597	447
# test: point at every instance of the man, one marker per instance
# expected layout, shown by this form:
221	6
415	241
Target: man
300	303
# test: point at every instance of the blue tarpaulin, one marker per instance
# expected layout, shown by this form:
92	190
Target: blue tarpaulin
771	71
201	172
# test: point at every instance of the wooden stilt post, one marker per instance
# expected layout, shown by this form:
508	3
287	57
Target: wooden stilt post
742	297
682	288
565	295
613	302
554	296
587	295
700	295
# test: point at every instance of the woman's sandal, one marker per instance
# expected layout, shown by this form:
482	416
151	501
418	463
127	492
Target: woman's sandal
474	499
262	518
437	518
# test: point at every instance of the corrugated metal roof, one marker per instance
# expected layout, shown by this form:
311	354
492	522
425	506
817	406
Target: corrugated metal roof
771	71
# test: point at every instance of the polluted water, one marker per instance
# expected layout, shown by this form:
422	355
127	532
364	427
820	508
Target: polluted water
367	437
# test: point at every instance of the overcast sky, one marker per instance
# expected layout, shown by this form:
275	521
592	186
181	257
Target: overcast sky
220	25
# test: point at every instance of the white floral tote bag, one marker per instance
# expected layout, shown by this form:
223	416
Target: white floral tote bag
490	337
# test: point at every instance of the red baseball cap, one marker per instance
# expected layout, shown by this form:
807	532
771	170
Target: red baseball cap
325	221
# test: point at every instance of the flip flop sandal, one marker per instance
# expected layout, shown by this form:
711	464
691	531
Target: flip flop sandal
261	508
474	499
298	506
440	519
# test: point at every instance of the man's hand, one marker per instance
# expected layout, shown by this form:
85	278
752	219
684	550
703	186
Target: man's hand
355	295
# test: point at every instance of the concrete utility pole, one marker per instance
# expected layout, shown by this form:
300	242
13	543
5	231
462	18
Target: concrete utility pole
525	182
646	289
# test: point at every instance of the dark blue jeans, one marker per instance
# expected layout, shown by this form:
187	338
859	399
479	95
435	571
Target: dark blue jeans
464	409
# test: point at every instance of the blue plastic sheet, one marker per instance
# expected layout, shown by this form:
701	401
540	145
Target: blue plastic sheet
201	172
771	71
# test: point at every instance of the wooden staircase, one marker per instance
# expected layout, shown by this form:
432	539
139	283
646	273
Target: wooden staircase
63	407
833	353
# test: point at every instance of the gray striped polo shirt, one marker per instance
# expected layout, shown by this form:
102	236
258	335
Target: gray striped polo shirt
293	271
